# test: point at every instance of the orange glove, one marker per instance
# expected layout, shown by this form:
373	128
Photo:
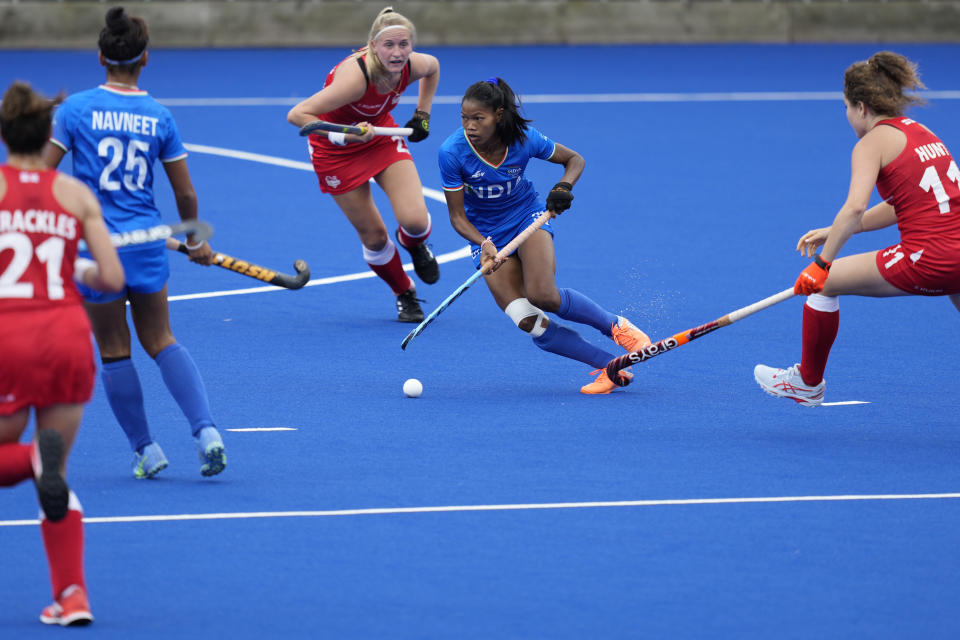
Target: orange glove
812	278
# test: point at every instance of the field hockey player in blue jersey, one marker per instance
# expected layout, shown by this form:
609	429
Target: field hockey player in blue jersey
117	132
490	202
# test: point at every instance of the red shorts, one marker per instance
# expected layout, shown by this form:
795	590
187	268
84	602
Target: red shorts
343	169
912	273
47	358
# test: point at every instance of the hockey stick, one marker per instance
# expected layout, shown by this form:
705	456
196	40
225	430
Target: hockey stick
503	253
253	270
682	338
198	228
320	125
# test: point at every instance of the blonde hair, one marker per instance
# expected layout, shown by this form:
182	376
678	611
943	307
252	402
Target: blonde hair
879	83
385	19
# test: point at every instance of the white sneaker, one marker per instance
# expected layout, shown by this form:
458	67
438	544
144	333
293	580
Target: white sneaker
787	383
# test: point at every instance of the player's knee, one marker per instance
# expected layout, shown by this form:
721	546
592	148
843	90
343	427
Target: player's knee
375	240
820	302
527	317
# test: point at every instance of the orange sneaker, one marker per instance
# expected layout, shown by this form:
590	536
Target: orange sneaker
628	336
602	383
71	609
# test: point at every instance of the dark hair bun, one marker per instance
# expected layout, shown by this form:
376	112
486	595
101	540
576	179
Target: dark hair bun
117	20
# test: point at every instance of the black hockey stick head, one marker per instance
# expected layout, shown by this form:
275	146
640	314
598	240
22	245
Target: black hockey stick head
297	281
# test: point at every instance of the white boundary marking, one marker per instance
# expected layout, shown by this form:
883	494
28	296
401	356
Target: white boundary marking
433	194
463	252
495	507
250	429
844	403
575	98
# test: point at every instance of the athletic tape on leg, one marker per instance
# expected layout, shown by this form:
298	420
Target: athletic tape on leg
520	309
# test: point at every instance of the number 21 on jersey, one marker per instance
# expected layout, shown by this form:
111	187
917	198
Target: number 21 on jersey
49	253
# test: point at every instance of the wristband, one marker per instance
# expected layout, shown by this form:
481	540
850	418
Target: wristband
337	138
563	185
823	264
194	247
80	268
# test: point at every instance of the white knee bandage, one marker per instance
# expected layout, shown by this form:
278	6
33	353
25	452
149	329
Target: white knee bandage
819	302
521	309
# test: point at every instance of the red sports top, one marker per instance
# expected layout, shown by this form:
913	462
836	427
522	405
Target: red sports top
38	243
374	107
923	185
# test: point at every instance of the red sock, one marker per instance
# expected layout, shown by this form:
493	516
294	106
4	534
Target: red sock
63	541
819	330
410	241
15	465
393	274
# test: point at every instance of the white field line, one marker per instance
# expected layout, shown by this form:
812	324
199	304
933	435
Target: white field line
463	252
575	98
251	429
496	507
433	194
844	403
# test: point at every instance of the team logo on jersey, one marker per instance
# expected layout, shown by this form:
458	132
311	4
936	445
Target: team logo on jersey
477	174
8	398
332	181
513	170
29	177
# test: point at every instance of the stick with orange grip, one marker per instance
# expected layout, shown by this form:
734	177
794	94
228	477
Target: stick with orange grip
682	338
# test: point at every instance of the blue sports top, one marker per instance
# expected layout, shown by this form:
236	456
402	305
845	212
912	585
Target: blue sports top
492	194
116	136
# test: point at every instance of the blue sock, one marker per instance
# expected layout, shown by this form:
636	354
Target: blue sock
122	384
576	307
182	378
568	343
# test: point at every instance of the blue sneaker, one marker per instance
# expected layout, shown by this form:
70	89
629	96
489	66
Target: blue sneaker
150	462
210	450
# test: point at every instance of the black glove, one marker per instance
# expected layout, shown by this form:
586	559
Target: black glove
420	123
560	198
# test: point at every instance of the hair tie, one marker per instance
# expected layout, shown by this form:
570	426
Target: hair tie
387	28
494	81
122	62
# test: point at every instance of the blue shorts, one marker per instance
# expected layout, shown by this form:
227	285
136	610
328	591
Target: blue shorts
501	236
146	270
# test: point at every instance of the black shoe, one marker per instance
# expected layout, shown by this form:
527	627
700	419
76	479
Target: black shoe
408	307
51	487
424	262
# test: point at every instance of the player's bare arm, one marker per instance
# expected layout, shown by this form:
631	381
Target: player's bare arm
425	68
348	86
52	155
187	207
78	200
573	163
865	166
